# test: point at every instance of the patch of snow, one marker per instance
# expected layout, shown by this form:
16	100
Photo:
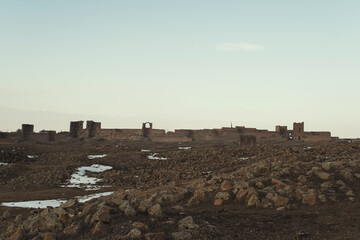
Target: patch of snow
90	157
31	156
52	202
244	158
154	157
145	150
184	148
3	163
79	178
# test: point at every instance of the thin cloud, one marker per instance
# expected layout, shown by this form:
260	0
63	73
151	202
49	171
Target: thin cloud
238	46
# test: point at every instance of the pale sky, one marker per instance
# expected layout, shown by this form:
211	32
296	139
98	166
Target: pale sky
181	64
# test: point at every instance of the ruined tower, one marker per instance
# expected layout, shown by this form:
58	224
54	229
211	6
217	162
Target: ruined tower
76	128
147	129
298	131
27	130
93	128
51	136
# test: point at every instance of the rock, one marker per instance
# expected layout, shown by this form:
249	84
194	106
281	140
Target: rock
322	198
100	229
323	175
118	197
134	234
184	235
326	185
309	198
271	196
280	201
326	166
357	175
155	211
124	205
348	176
6	214
187	223
18	235
350	193
72	203
302	179
140	225
218	202
193	201
280	209
144	205
253	200
74	229
18	219
226	185
49	236
278	182
102	215
223	195
155	236
130	211
241	195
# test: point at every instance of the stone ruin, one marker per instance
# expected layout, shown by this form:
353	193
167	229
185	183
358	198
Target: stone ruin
27	130
247	140
147	129
239	134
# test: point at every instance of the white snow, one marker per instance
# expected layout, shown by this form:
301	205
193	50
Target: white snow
145	150
31	156
184	148
52	202
3	163
90	157
154	157
79	178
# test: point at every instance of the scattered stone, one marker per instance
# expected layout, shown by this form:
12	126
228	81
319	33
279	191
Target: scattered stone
130	211
253	200
280	201
226	186
140	225
187	223
309	198
183	235
241	195
49	236
218	202
100	229
72	203
18	235
155	236
155	211
6	214
323	175
223	195
134	234
326	166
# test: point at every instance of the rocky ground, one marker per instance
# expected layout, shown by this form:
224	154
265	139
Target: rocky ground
291	191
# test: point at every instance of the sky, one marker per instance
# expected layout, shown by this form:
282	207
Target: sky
181	64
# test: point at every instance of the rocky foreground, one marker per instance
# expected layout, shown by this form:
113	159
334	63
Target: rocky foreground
206	192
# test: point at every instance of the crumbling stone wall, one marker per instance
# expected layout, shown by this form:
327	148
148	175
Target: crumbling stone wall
76	129
247	140
27	130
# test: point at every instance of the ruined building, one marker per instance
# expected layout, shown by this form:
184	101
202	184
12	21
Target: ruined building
239	134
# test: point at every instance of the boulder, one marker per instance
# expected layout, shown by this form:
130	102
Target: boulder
100	229
226	185
241	195
223	195
309	198
187	223
218	202
280	201
155	211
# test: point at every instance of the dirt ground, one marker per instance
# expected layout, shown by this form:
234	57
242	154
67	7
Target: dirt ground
334	215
